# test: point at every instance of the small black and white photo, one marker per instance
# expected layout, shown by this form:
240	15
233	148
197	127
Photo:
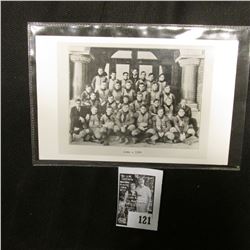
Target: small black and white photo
136	97
135	195
138	191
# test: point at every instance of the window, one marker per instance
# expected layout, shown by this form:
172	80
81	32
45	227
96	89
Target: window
146	55
147	68
120	68
122	54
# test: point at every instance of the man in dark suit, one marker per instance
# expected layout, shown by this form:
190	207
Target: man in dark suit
78	124
188	113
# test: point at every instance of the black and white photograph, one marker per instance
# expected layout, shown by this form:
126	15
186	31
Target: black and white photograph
138	191
133	99
136	97
135	195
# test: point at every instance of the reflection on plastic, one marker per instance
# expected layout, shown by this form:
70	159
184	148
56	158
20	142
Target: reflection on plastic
191	34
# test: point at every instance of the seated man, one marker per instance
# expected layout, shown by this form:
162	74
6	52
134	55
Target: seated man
125	101
124	123
103	94
143	125
167	94
107	125
112	103
141	79
155	93
117	92
182	130
94	125
185	107
136	105
154	107
145	93
162	127
188	113
85	96
169	108
78	123
128	91
92	102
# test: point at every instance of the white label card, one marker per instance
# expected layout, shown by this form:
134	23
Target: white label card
138	199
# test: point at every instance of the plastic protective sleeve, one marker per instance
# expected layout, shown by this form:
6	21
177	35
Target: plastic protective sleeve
240	33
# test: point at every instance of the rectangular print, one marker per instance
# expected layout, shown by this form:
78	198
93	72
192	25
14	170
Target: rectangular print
135	99
139	193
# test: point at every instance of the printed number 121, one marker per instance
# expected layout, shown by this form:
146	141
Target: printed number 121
144	220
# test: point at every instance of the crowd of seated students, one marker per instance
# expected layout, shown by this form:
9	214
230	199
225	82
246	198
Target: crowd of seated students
134	109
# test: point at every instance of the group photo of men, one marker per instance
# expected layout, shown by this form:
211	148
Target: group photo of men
137	108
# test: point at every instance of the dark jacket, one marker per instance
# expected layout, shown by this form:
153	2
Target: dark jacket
187	110
75	115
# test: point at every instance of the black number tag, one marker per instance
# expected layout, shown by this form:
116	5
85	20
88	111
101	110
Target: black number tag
144	220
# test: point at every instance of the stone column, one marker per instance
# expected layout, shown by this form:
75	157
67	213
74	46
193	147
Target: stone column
107	69
200	83
189	78
160	70
80	72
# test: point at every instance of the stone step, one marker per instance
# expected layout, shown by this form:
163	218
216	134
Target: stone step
196	114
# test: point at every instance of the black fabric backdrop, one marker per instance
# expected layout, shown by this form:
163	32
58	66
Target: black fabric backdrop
74	207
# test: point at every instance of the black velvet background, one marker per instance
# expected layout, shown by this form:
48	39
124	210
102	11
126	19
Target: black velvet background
74	207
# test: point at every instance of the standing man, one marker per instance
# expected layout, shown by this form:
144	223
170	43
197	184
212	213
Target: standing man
112	80
150	82
143	197
98	79
142	79
162	82
124	79
134	78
